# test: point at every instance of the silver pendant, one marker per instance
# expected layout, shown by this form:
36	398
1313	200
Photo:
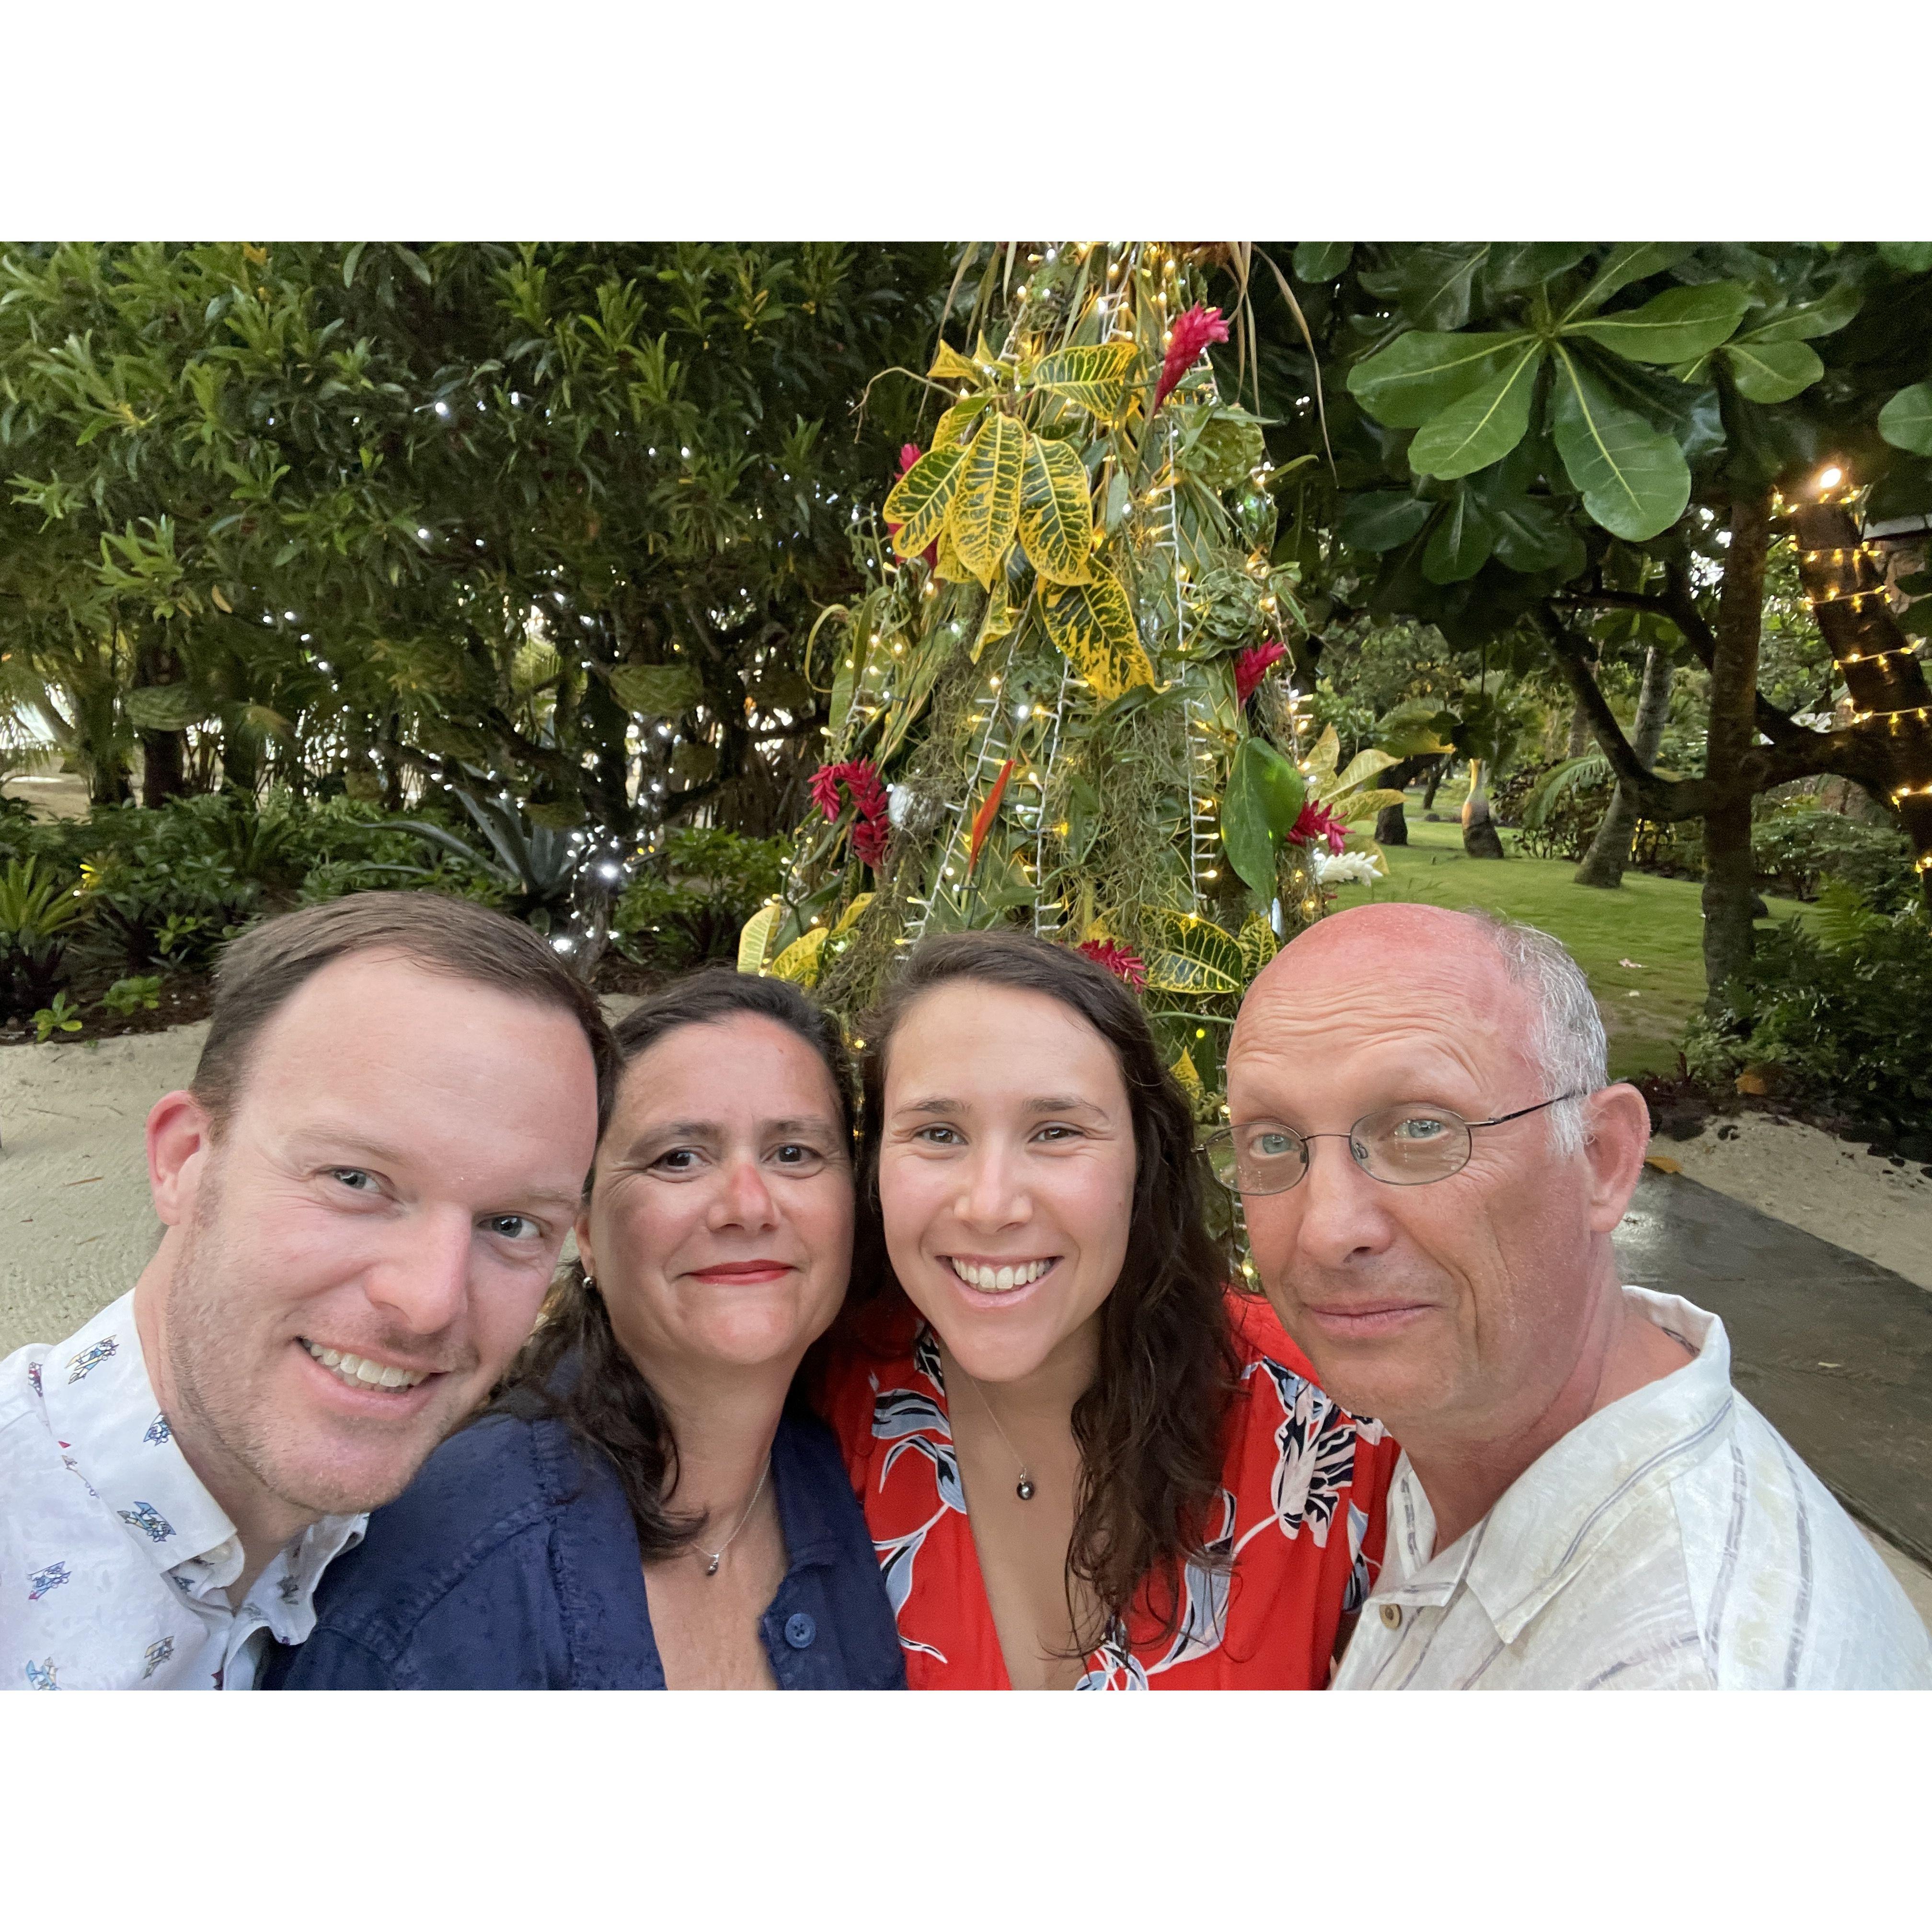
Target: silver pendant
1024	1489
711	1568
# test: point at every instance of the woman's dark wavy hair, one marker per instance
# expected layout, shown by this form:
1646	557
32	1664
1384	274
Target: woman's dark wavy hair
1151	1429
605	1401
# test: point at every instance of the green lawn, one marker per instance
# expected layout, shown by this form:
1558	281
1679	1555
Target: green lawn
1655	923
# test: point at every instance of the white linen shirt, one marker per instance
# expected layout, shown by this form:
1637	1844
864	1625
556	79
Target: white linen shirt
1672	1540
114	1561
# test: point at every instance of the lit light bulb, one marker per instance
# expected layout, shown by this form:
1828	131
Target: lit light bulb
1830	478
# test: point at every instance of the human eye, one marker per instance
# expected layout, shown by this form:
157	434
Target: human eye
355	1180
1416	1126
1056	1133
676	1163
799	1158
938	1135
1270	1143
513	1227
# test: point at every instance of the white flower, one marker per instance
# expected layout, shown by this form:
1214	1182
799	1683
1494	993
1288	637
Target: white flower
899	802
1347	868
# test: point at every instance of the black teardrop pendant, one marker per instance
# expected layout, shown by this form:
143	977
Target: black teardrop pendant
1024	1489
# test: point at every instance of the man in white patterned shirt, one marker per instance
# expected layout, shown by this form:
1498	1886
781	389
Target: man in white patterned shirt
1432	1166
365	1191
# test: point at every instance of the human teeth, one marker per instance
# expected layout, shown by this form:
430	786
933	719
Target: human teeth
358	1373
1000	1280
1005	1279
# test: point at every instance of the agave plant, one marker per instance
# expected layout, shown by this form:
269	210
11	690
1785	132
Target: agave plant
38	917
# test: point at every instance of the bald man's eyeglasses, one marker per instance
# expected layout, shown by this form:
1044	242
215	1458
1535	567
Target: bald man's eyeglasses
1407	1145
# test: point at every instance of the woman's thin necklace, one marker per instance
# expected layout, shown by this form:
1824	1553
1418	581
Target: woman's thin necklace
715	1557
1023	1489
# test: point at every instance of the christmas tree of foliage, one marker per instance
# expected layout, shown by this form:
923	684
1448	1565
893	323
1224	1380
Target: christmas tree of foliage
1066	703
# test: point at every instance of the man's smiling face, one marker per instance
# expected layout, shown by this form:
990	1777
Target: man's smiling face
364	1244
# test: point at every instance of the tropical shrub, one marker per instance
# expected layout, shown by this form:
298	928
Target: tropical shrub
713	881
40	915
1843	1011
1796	849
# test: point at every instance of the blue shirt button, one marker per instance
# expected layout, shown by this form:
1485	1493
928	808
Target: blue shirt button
800	1630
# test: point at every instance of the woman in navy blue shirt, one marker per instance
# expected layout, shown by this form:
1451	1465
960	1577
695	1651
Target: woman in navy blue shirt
644	1505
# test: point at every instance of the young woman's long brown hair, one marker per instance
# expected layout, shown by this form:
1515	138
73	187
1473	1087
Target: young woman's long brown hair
1150	1429
573	1367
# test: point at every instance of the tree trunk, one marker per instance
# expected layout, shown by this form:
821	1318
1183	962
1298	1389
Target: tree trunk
1435	776
1732	739
1391	827
163	754
1480	839
241	762
1610	850
1579	727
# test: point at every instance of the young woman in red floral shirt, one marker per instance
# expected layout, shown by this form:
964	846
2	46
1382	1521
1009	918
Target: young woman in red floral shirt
1086	1462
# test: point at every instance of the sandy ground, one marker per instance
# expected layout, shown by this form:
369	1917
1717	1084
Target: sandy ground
1840	1193
76	1226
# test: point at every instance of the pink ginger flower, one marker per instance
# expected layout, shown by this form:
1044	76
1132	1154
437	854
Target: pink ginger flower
1253	664
1117	960
1193	332
1317	821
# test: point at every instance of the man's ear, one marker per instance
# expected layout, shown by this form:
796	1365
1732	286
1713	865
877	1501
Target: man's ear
585	1252
1616	1126
181	1136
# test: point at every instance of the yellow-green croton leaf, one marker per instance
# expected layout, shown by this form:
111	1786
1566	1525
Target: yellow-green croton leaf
949	366
998	619
1056	512
754	940
921	498
1093	625
1094	375
953	426
800	962
986	504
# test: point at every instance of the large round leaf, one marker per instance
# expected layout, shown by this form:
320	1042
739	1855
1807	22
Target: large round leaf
1485	426
1420	374
1673	327
1321	261
1460	543
1263	800
1906	421
1634	479
1382	520
1772	372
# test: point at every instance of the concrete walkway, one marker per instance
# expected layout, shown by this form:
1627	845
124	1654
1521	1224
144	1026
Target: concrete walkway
1835	1350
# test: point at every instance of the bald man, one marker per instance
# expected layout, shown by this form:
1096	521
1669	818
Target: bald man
1432	1163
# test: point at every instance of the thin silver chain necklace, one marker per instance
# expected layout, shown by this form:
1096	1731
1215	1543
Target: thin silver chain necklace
1024	1488
715	1557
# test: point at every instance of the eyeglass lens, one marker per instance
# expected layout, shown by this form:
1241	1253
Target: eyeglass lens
1406	1145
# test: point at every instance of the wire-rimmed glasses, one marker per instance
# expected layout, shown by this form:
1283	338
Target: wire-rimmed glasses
1407	1145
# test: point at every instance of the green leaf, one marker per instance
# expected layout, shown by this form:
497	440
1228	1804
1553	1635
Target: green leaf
996	620
1909	258
953	426
986	504
1420	374
1772	372
1485	426
1056	521
1093	625
163	707
1094	375
1321	261
1634	479
1461	542
1513	266
1198	957
1906	421
1381	519
1673	327
656	691
920	498
1532	537
1624	263
1265	796
1431	282
1826	316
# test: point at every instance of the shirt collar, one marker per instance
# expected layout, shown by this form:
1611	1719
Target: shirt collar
1554	1517
111	1434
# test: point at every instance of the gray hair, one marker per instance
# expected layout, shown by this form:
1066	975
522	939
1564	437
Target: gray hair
1566	1044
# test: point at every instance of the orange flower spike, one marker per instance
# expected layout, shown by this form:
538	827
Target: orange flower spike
982	819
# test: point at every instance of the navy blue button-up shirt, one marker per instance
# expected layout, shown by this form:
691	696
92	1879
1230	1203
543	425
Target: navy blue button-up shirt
511	1563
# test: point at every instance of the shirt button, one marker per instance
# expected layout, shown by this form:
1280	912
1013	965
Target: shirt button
800	1630
1390	1614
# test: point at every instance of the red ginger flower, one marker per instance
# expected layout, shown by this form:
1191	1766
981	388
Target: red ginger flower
1117	960
1253	664
872	821
1193	332
1317	821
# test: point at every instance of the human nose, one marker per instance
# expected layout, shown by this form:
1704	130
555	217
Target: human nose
742	1199
992	1194
423	1281
1342	1212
